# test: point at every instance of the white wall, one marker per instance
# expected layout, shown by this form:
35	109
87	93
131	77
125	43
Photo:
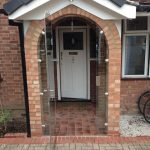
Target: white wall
118	24
26	26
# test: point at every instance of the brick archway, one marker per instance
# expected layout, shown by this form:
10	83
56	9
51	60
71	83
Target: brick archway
33	78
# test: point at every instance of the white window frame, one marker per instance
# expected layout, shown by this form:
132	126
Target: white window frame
138	31
145	75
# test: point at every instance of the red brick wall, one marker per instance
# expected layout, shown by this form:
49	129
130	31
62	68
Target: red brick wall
2	2
130	91
11	91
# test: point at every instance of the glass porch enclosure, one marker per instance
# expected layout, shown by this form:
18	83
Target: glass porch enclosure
74	116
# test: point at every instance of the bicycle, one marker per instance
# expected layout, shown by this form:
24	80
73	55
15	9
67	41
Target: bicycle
146	111
142	100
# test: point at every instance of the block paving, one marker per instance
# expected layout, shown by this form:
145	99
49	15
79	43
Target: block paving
88	146
75	119
76	143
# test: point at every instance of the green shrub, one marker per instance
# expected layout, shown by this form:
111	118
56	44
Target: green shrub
5	116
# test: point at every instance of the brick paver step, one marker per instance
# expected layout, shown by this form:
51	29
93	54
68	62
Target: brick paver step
75	139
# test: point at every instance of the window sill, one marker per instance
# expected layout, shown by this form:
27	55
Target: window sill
135	78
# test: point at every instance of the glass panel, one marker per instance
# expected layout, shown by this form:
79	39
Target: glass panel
42	42
73	40
47	76
135	50
101	84
140	23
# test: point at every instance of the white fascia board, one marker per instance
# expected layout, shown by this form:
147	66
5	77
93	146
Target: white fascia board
105	10
128	11
87	5
51	7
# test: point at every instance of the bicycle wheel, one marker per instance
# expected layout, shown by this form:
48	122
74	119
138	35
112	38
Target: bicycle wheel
146	111
142	100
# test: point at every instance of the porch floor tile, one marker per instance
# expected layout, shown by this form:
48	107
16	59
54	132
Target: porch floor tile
75	118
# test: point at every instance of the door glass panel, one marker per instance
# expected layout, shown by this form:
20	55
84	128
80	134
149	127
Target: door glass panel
73	40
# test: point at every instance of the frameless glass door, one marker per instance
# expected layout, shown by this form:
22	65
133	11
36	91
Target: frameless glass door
101	82
47	66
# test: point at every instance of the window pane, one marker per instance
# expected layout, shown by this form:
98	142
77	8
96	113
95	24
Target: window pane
135	49
140	23
73	40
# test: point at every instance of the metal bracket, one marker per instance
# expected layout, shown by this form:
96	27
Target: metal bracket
106	60
45	90
41	94
55	60
106	93
106	124
43	125
39	60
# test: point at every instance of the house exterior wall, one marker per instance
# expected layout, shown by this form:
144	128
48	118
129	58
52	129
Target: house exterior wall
11	90
2	2
130	91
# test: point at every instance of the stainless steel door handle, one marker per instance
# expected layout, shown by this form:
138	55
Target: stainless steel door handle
72	59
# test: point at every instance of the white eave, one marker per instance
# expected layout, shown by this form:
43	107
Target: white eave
104	9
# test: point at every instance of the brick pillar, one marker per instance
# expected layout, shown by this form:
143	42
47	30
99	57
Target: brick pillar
114	75
33	78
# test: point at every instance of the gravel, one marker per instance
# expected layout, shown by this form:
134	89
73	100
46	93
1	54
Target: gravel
135	125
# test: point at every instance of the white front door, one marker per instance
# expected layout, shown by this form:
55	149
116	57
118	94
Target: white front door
73	63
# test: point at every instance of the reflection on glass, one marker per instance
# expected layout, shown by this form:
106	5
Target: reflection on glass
135	49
